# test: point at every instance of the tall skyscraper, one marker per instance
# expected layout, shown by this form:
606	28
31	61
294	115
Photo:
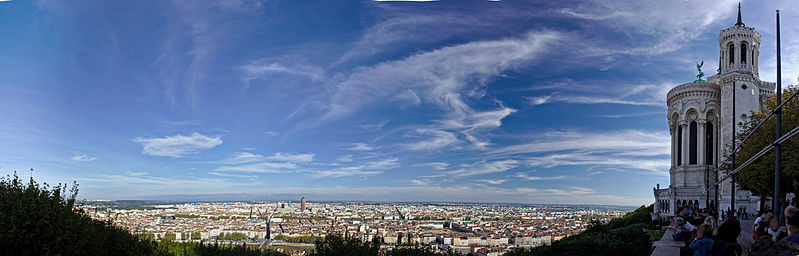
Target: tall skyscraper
302	204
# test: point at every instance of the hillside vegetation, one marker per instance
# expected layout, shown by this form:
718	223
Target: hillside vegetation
632	234
42	220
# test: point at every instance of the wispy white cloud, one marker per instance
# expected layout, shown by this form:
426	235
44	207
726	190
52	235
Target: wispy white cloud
417	182
434	139
223	174
600	92
483	167
445	77
435	165
262	69
255	163
524	176
623	141
135	185
294	158
369	168
360	147
259	167
592	16
178	145
627	149
494	182
344	159
538	100
135	174
662	26
83	158
375	126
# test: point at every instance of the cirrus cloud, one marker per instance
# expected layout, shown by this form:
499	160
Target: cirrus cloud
178	145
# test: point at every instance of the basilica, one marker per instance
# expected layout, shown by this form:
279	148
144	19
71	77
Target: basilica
701	119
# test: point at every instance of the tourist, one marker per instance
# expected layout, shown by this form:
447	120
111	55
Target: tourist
726	243
703	244
755	225
792	219
710	220
767	235
787	246
683	231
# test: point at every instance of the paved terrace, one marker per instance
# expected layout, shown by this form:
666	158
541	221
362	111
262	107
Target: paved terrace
668	247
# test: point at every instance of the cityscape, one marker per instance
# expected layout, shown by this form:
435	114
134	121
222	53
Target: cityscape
399	127
491	229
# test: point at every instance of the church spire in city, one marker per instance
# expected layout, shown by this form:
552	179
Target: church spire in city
740	22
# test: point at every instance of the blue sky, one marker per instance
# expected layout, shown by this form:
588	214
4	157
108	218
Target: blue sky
479	101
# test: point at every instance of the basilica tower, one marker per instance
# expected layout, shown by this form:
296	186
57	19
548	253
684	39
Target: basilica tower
700	118
738	74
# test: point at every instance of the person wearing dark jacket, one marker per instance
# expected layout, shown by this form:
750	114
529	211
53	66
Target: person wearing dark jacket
726	243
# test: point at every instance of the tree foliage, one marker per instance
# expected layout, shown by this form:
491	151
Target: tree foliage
42	220
628	235
201	249
336	245
758	177
232	236
299	239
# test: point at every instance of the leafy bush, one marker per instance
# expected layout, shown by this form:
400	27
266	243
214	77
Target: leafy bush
201	249
42	220
336	245
629	235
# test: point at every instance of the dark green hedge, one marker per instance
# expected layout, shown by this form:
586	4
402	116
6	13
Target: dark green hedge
632	234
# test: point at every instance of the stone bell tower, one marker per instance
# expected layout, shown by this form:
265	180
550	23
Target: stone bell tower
700	118
739	49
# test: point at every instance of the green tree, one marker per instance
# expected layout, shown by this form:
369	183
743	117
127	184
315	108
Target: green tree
336	245
758	176
170	236
42	220
629	235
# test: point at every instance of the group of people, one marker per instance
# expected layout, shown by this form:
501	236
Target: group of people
704	238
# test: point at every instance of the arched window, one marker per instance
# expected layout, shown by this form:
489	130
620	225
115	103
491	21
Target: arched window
679	145
732	52
709	143
692	143
743	53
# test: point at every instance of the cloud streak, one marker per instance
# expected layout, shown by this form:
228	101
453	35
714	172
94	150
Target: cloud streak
83	158
178	145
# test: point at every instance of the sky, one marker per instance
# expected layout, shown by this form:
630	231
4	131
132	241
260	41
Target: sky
414	101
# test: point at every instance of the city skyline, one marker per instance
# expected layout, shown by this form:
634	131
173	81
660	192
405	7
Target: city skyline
443	101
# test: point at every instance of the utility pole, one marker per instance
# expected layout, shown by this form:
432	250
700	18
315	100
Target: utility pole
778	148
732	193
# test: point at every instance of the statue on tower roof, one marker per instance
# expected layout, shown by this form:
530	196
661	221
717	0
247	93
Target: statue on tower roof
700	75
